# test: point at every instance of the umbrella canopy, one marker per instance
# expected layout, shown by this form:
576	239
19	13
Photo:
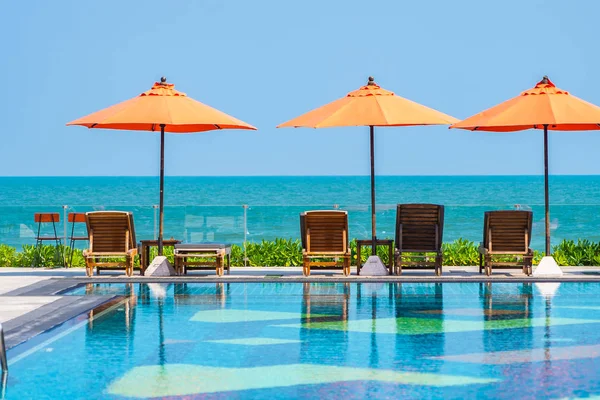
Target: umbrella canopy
545	104
370	106
543	107
168	110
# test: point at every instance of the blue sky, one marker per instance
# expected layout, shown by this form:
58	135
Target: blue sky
267	61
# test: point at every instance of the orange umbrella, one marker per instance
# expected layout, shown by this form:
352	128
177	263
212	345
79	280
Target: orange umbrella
543	107
167	109
370	106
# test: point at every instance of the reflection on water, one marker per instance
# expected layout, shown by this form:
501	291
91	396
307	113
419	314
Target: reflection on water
324	304
355	340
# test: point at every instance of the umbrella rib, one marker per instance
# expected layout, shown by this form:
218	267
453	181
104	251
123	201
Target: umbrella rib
333	113
383	114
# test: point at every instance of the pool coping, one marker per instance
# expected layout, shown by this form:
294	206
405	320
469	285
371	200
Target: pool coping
50	316
325	278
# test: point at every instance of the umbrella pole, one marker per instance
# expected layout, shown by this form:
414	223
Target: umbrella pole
162	184
373	229
546	196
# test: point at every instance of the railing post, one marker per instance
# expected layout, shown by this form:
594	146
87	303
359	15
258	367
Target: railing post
155	207
245	232
65	224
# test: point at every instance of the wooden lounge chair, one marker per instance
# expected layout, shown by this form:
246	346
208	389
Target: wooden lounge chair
112	237
506	233
419	229
324	235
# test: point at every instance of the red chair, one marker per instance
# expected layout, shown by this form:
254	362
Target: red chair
75	218
46	218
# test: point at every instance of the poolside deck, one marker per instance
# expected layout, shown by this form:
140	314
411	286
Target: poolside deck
31	301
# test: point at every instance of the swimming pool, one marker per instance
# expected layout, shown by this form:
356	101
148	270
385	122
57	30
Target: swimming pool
326	340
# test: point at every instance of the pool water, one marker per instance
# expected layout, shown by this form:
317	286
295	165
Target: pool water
320	340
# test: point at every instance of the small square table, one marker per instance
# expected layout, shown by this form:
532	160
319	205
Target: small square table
145	251
379	242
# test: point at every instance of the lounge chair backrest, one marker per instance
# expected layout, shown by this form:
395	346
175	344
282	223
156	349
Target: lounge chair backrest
509	231
419	227
111	231
324	231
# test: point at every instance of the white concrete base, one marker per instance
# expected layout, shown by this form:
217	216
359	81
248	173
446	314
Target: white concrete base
548	289
160	266
373	267
368	288
547	267
159	290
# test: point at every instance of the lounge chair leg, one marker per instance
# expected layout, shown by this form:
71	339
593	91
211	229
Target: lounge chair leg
306	267
219	266
346	266
399	265
480	263
488	265
89	269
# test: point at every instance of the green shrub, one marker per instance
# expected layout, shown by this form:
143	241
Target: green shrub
8	256
280	252
582	252
460	252
288	252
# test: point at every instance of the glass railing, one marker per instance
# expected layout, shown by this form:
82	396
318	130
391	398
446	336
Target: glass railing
253	223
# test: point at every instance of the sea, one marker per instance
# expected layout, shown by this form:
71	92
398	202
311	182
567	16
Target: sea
252	209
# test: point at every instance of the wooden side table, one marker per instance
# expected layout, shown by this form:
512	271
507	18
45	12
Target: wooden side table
145	251
379	242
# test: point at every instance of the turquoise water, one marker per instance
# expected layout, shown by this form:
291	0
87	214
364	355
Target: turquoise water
320	340
211	208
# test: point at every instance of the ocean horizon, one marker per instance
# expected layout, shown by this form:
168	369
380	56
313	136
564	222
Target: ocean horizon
200	208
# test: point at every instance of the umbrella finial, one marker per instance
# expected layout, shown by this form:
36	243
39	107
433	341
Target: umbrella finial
163	80
545	79
371	81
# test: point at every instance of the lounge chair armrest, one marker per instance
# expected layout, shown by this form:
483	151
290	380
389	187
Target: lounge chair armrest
132	252
482	250
87	252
